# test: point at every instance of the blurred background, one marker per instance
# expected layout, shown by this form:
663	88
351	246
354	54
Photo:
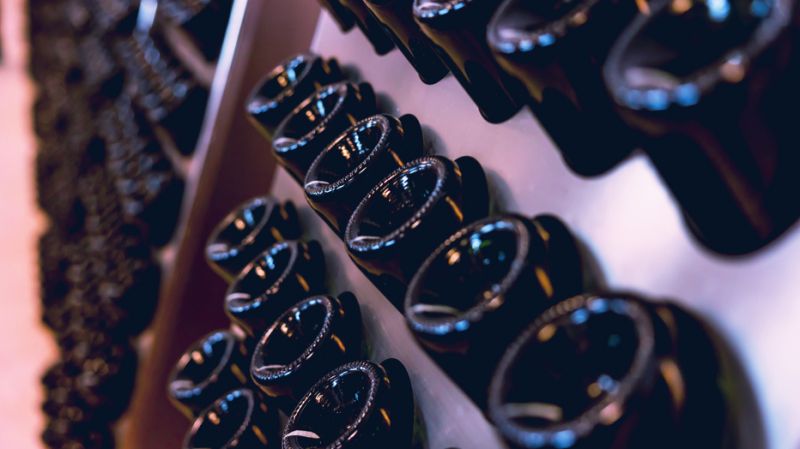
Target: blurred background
25	347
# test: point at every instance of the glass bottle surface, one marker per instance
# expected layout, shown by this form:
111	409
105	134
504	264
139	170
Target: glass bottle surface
613	371
310	339
398	18
357	405
273	282
211	367
408	214
343	16
356	161
557	48
372	29
248	230
237	420
283	88
204	22
317	121
480	288
711	101
458	29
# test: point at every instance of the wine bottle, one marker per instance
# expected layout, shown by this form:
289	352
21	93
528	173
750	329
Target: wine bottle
149	188
237	420
212	366
103	371
343	16
372	29
458	29
557	49
397	18
311	338
356	161
319	119
247	231
480	288
357	405
273	282
612	371
166	91
288	84
409	213
204	22
708	83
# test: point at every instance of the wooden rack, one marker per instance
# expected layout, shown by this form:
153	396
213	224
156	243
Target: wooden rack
626	217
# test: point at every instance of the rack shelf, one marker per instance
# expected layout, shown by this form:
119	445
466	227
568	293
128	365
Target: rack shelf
626	217
191	296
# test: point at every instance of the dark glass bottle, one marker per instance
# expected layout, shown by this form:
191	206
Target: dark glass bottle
371	28
205	22
356	161
65	434
166	91
114	285
53	264
112	18
119	280
343	17
57	171
313	337
709	84
288	84
212	366
273	282
102	371
458	28
150	190
102	78
356	406
122	276
319	119
481	287
246	231
237	420
71	424
557	49
68	416
398	18
610	372
408	214
61	401
51	119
